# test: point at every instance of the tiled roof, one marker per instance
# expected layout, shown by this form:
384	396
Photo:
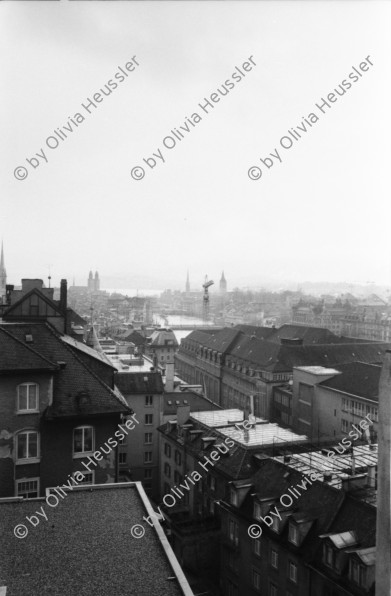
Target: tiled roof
309	335
238	464
73	381
86	547
220	341
16	355
357	378
134	383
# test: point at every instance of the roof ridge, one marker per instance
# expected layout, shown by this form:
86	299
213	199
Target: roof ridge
49	301
69	349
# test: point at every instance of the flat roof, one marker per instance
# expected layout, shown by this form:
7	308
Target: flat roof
216	418
318	370
86	546
262	435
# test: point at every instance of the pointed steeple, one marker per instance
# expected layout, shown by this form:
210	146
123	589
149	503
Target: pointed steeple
223	283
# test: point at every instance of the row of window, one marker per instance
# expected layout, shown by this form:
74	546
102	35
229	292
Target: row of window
359	409
357	573
29	488
178	455
27	443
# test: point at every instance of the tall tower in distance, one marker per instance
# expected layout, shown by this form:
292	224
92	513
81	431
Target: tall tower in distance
96	282
187	283
383	518
3	273
90	283
223	284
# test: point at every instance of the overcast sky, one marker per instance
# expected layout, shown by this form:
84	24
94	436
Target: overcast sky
321	214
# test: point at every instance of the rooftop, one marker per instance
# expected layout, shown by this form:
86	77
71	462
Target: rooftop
263	433
87	547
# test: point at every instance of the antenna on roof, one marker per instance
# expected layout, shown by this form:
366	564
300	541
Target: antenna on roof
49	276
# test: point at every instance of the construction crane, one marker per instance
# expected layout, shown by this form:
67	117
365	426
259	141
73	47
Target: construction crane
206	287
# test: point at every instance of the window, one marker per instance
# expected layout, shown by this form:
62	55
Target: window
257	511
148	438
83	440
89	478
256	580
148	474
178	457
357	573
257	547
234	497
328	555
27	446
274	558
292	568
276	525
123	441
167	470
149	400
177	477
344	426
212	483
167	449
273	590
148	457
28	397
293	534
233	532
122	458
28	489
148	418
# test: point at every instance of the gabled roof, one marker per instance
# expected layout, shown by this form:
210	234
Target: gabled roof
18	356
77	391
16	311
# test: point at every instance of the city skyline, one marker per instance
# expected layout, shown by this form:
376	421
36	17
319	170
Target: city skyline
311	217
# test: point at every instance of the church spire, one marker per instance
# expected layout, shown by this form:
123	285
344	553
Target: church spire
187	282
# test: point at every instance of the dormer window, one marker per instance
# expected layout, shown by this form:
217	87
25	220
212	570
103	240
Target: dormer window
234	497
294	534
276	525
357	573
328	555
257	511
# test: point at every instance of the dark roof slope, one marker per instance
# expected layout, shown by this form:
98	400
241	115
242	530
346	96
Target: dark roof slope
220	341
86	547
357	378
16	355
74	380
135	382
309	335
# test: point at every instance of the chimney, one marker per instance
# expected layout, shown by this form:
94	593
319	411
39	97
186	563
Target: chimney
169	386
383	523
64	301
8	292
